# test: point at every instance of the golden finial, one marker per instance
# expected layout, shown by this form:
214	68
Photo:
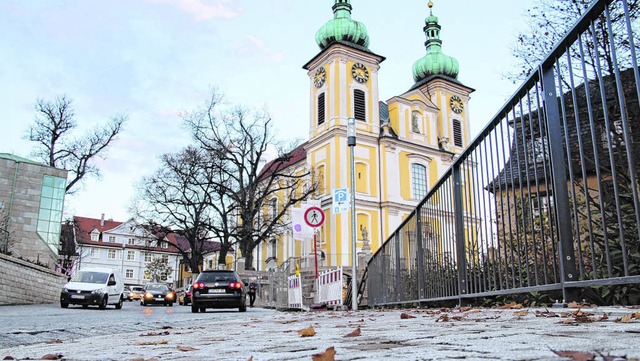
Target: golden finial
430	4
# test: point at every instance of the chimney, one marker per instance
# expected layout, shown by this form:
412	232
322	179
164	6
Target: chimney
102	220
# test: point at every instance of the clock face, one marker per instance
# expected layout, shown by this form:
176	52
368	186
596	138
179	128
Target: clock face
360	73
319	77
456	104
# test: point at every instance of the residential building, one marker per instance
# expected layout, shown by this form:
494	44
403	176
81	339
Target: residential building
31	204
403	145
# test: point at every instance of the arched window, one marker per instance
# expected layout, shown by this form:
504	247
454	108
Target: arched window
418	181
457	133
321	109
359	108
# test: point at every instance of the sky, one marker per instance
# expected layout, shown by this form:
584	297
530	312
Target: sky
153	60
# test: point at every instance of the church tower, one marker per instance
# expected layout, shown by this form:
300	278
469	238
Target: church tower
343	83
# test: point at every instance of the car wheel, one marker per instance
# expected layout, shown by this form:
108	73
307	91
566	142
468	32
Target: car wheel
170	304
119	304
85	306
64	304
203	310
144	303
243	307
194	309
104	302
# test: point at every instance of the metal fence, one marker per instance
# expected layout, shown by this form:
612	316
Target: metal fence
546	197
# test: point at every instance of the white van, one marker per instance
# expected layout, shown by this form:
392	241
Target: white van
96	286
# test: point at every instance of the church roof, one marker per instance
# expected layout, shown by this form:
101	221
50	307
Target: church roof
342	28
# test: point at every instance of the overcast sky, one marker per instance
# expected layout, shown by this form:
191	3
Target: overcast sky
153	59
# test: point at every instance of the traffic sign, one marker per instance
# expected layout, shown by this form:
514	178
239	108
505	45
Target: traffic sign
314	216
341	201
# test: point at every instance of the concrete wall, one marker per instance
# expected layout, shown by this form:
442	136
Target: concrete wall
22	282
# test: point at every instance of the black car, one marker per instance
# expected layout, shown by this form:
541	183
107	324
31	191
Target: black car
155	293
218	289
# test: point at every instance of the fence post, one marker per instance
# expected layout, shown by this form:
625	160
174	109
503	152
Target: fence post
458	215
566	252
419	253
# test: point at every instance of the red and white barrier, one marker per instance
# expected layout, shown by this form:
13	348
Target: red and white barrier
330	287
294	286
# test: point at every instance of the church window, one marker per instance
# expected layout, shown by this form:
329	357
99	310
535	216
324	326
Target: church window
361	178
321	109
418	181
359	109
457	133
415	121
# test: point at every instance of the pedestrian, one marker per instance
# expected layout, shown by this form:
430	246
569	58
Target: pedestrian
253	288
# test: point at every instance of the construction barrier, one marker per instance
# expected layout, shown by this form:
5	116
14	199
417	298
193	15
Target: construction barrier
295	292
330	287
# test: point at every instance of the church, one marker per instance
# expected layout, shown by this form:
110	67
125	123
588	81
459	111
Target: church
403	145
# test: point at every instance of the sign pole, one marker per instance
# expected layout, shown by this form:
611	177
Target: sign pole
314	216
315	251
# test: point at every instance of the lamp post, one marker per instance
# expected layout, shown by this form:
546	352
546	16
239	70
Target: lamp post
351	142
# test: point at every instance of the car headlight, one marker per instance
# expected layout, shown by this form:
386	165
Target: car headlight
99	291
64	290
148	295
170	296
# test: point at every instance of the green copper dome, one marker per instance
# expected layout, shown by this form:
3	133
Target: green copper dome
435	62
342	27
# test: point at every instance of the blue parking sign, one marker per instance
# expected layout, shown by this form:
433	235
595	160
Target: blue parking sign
340	200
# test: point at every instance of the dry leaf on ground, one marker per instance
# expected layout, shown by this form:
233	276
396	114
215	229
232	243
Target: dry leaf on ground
51	356
546	313
521	313
354	333
576	355
327	355
512	305
8	358
54	341
187	348
163	342
307	332
164	333
405	316
443	318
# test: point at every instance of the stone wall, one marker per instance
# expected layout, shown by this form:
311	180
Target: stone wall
23	282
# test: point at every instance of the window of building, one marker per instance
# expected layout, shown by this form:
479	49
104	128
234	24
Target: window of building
418	181
165	258
210	264
272	251
131	241
273	208
164	244
359	107
147	257
128	273
321	107
362	178
93	253
112	239
415	121
111	254
94	236
540	152
131	255
457	133
50	212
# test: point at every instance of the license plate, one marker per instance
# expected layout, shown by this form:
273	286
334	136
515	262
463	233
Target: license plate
79	297
159	298
217	290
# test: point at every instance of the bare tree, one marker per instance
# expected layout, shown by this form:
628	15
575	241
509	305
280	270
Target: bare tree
52	132
176	199
239	142
549	20
7	238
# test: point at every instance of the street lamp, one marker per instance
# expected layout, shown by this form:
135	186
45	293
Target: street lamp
351	142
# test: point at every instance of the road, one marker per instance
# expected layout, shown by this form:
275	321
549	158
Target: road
30	324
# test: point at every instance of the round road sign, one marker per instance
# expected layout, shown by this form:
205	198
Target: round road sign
314	216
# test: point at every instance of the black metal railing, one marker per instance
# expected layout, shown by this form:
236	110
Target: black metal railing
546	197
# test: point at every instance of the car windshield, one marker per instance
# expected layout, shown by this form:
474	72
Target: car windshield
90	277
217	277
157	288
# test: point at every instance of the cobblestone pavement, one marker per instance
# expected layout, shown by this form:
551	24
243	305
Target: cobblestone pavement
441	334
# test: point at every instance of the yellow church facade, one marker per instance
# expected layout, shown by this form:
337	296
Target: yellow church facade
403	144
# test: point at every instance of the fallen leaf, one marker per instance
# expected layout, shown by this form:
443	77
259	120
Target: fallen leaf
546	313
512	305
443	318
573	305
576	355
327	355
8	358
54	341
163	342
626	318
250	358
155	333
354	333
51	356
465	309
405	316
521	313
186	348
307	332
